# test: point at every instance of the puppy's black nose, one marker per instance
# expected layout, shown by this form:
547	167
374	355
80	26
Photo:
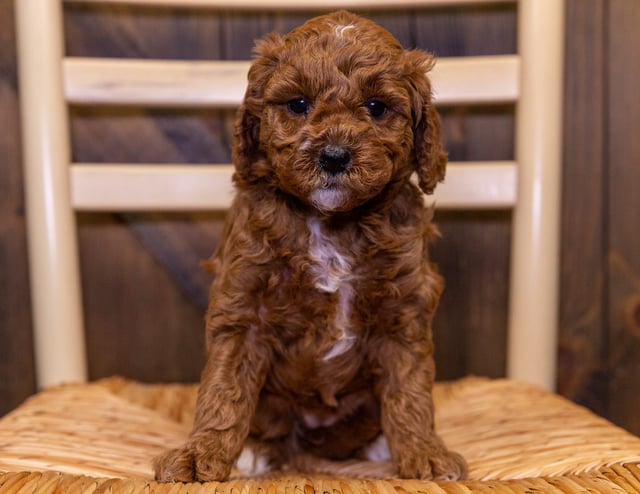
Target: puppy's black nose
334	159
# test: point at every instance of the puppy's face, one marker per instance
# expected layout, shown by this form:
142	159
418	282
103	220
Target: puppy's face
336	112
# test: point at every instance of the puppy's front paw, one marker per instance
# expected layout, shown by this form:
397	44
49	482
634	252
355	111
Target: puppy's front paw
175	465
187	465
448	466
443	465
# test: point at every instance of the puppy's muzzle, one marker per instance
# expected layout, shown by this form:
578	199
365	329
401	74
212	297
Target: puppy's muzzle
334	159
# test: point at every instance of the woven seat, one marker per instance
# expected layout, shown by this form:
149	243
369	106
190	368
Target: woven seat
516	438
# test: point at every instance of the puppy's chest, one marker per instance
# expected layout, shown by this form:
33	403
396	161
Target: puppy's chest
332	272
331	267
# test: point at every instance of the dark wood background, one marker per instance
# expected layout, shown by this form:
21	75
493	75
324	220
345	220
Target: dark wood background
143	286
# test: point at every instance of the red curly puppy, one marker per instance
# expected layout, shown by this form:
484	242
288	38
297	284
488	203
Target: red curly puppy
319	323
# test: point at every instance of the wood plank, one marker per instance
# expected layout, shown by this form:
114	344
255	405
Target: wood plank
161	135
17	374
470	324
472	80
582	366
296	4
111	30
139	323
461	80
151	82
122	187
478	185
179	242
478	133
128	187
479	30
624	214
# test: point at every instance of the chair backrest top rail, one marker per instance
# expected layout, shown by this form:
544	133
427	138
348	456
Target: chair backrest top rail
295	4
222	83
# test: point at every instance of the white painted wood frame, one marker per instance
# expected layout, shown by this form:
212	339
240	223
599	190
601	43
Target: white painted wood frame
296	4
59	342
221	84
533	304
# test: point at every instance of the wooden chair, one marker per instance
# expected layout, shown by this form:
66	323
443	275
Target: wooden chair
516	435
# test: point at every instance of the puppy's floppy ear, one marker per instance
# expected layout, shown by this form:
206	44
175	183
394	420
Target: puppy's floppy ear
246	148
430	158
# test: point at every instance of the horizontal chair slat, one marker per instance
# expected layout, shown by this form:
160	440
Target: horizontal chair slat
122	187
125	187
478	185
463	80
296	4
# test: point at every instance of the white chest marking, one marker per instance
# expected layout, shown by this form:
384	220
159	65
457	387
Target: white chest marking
329	267
333	272
346	339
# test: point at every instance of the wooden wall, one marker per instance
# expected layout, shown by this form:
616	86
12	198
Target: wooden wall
16	359
599	353
143	286
623	214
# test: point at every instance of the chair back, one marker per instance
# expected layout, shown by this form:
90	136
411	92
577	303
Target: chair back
56	187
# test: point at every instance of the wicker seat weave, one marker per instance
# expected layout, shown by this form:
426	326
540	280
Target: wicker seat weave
101	437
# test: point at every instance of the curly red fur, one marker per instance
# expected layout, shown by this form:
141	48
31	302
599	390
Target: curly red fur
319	323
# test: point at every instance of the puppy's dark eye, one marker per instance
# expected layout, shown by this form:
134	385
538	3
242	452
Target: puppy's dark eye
298	105
376	108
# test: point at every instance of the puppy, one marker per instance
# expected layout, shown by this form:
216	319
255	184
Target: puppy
318	331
